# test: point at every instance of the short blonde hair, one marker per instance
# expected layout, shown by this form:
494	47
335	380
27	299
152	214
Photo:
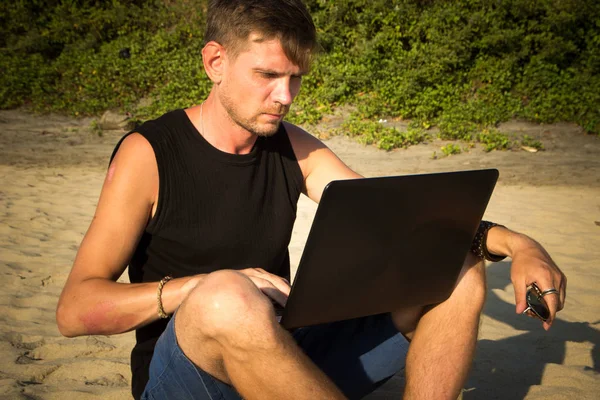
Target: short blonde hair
230	23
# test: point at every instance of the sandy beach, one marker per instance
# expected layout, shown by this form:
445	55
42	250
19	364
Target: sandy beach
52	168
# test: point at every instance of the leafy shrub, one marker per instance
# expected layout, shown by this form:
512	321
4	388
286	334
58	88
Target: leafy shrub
531	142
385	137
463	66
66	55
493	140
451	149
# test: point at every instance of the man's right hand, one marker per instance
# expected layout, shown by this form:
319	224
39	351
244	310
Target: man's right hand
273	286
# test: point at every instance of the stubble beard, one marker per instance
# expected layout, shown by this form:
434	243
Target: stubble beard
251	124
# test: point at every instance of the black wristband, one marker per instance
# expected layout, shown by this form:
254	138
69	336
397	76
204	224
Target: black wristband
479	245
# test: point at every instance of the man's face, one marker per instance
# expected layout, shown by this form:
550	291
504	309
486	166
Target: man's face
259	86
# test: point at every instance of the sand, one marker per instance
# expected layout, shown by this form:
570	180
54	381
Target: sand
52	168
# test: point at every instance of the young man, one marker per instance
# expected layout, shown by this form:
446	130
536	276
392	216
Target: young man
200	204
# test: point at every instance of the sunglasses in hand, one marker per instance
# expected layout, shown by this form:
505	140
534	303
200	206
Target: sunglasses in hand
536	306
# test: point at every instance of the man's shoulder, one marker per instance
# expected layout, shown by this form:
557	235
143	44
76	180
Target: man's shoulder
172	117
294	129
149	135
302	141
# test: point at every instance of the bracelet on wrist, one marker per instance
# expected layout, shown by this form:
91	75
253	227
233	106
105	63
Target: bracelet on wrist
479	245
160	309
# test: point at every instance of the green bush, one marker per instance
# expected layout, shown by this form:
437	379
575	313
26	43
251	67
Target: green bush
531	142
67	58
378	133
463	66
451	149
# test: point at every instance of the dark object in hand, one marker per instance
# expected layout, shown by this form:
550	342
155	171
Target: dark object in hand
536	306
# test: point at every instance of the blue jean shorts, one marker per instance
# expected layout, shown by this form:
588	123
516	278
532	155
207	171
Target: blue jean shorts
358	355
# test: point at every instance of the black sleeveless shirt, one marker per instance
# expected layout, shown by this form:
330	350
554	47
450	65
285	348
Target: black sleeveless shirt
215	211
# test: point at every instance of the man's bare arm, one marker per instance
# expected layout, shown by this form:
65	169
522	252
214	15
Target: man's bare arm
92	302
318	163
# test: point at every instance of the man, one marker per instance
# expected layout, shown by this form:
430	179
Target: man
200	203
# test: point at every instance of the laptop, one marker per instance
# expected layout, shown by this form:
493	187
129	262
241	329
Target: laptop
379	244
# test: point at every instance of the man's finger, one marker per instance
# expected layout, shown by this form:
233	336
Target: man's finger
552	301
269	290
278	282
563	292
275	280
275	294
520	290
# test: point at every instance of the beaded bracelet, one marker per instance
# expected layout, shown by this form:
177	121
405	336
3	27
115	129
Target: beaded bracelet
479	245
161	310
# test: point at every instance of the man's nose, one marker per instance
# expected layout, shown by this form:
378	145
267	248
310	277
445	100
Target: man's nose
283	93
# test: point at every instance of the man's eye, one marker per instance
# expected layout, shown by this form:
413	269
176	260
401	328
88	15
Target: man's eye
269	75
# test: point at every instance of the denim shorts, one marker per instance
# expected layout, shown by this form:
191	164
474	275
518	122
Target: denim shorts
358	355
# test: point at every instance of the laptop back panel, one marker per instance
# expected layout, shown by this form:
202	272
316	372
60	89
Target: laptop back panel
379	244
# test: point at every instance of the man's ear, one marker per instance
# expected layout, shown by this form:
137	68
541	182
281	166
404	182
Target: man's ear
213	58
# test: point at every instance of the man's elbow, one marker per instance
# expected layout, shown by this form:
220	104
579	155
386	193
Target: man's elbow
68	321
64	322
78	318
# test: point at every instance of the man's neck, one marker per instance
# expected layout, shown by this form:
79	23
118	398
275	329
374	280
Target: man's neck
212	121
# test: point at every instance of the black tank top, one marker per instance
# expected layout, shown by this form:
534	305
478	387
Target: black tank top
215	211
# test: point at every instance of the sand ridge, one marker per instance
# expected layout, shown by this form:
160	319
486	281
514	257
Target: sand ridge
52	168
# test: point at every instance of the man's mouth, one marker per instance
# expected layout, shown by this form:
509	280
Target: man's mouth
274	116
279	113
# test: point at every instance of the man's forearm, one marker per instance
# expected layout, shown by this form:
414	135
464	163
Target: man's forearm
99	306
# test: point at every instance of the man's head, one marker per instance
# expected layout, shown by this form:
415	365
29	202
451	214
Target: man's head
256	52
231	22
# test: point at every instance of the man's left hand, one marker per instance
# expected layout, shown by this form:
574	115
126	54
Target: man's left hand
531	263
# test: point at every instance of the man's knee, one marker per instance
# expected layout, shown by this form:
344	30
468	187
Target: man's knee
228	307
468	296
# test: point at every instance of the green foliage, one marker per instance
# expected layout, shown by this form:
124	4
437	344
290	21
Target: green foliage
531	142
451	149
385	137
95	127
64	55
493	140
463	66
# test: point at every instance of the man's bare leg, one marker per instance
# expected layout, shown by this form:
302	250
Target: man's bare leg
228	328
443	342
